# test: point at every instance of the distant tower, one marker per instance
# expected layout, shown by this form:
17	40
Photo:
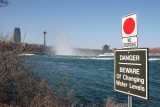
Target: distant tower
44	37
16	36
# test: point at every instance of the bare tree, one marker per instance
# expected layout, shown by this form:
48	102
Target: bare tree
3	3
20	86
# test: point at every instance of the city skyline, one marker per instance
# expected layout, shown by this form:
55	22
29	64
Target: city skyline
81	23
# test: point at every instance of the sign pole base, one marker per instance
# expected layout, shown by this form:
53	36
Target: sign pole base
129	101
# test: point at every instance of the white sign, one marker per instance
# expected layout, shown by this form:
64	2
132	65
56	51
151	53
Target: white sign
130	25
130	42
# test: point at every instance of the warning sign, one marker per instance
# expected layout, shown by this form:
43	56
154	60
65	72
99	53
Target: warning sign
131	72
130	25
130	31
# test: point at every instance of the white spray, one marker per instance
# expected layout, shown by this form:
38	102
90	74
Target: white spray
62	46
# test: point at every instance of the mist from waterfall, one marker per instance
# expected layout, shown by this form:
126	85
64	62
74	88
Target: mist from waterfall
62	46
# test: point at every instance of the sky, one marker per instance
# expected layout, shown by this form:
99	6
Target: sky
85	23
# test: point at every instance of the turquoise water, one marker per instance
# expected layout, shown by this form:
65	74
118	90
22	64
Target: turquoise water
92	78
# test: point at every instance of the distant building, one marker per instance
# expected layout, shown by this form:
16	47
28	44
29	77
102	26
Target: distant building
16	36
106	47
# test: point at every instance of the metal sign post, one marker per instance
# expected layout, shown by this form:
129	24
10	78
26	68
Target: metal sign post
129	101
129	41
131	63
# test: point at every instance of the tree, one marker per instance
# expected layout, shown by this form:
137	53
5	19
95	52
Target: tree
3	3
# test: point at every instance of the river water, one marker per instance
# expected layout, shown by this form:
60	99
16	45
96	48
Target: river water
92	78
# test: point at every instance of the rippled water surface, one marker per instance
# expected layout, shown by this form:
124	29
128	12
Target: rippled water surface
92	78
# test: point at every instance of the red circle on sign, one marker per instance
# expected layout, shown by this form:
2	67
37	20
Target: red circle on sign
129	26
